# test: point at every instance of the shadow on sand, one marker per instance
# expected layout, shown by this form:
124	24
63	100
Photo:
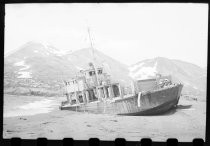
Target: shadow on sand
183	106
174	110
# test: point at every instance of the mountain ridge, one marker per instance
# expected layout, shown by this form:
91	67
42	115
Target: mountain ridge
192	76
45	66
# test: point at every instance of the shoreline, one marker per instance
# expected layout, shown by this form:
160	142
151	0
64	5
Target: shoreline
28	105
183	124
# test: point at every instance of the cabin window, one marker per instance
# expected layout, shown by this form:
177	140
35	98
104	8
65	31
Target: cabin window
99	71
116	90
80	99
91	73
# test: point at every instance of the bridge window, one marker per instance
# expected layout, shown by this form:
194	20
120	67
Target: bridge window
99	71
92	73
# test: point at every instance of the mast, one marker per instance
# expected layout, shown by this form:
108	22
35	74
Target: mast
91	44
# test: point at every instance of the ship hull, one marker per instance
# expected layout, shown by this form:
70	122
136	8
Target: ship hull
148	103
154	111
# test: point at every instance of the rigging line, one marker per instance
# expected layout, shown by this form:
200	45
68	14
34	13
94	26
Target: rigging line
91	44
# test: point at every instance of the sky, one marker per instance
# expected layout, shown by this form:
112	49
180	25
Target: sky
127	32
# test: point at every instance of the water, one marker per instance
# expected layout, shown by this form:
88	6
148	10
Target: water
29	105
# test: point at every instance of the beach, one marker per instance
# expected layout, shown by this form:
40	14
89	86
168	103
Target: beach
184	123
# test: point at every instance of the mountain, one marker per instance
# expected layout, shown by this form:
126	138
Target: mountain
36	65
37	61
192	76
39	69
118	71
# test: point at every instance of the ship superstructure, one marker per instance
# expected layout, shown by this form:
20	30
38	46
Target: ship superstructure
92	84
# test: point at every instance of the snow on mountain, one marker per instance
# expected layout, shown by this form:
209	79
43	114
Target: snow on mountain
22	63
44	66
141	72
36	49
193	77
53	50
24	74
22	71
47	66
135	67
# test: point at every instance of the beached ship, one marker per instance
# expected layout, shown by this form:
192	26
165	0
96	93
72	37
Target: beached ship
92	90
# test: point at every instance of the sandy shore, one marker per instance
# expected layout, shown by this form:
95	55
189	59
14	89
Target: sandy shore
185	123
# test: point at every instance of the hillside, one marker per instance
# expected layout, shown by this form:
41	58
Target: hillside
192	76
36	66
81	58
39	69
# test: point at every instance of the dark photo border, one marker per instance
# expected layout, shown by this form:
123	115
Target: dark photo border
93	141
